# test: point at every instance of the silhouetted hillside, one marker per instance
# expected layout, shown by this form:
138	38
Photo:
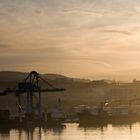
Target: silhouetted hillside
18	76
78	91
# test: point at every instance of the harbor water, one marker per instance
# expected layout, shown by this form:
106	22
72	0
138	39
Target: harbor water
72	131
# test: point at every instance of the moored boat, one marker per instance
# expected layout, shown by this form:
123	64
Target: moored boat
103	115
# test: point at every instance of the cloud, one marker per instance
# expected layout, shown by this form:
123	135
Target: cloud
76	34
76	10
117	31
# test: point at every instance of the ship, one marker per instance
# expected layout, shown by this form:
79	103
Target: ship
56	114
107	114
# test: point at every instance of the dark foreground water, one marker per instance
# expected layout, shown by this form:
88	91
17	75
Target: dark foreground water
74	132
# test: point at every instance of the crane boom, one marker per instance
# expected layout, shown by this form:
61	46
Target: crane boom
31	86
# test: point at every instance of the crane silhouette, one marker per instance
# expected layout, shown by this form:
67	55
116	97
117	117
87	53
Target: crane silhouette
31	87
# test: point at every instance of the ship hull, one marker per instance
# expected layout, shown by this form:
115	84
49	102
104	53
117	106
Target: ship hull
87	118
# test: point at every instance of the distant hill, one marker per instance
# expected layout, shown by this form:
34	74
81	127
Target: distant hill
54	76
18	76
78	91
9	76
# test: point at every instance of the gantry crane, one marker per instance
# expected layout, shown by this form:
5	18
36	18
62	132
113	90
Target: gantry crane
31	88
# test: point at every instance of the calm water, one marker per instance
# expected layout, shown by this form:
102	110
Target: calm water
74	132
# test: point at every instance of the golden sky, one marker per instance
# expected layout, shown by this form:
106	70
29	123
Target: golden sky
80	38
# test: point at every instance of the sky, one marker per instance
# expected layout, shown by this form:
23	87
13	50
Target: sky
95	39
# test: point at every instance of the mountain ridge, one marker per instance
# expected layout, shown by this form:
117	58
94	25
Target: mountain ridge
17	76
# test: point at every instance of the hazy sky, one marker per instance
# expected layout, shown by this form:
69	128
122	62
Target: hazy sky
80	38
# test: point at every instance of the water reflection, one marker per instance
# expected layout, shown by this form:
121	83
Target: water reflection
73	131
28	133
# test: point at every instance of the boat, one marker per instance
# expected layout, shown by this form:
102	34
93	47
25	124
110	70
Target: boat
56	114
105	115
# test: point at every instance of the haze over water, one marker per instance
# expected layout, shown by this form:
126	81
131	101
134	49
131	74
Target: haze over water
74	132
